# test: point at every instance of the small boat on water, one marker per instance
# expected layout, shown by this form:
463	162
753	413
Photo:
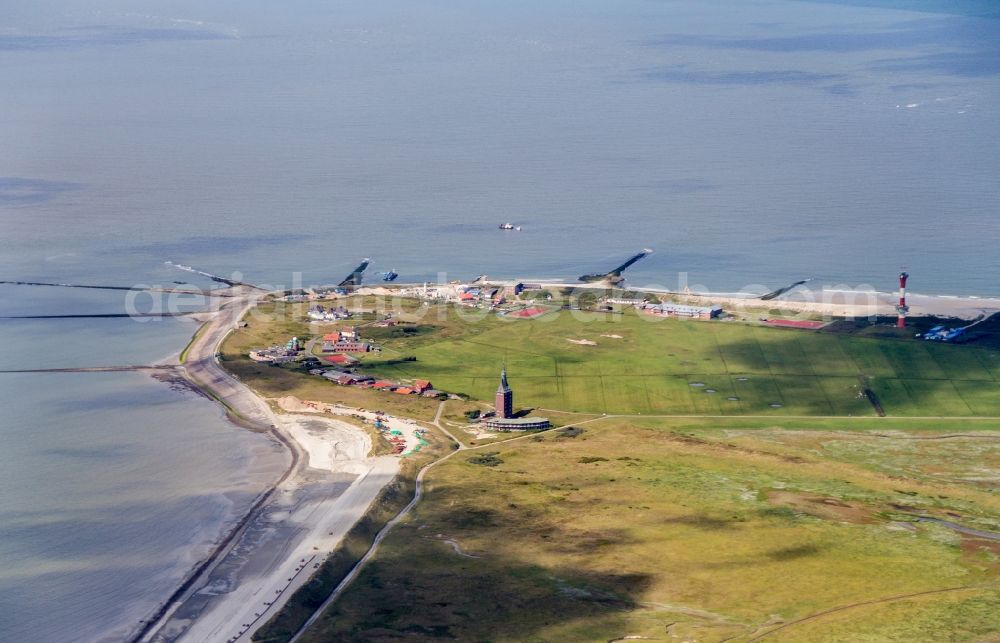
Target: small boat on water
510	226
390	276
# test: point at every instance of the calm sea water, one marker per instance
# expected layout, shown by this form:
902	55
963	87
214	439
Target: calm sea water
113	486
748	143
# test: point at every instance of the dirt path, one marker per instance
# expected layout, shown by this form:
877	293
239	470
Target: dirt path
877	601
380	536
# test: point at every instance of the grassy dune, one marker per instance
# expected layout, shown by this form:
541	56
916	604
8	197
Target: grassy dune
650	530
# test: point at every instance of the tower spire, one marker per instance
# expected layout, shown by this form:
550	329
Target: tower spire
504	397
503	380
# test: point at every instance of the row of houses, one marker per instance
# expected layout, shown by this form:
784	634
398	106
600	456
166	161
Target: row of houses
622	301
346	340
313	294
321	313
361	380
418	387
277	354
668	309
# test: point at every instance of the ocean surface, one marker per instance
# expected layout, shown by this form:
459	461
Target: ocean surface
750	144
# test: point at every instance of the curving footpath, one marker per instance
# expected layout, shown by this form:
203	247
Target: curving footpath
418	494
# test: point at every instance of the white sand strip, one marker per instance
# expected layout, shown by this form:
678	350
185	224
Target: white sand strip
406	426
332	446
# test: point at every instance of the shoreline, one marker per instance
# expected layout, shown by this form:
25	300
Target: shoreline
833	302
328	486
203	345
290	537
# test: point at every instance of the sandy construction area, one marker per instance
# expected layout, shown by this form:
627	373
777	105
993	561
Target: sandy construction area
330	445
407	427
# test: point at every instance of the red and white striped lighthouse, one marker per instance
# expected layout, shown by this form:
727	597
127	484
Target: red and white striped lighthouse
902	308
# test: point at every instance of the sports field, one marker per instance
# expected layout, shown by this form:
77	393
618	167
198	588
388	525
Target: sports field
638	364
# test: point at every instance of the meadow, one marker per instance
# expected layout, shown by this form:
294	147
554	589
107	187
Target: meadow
643	365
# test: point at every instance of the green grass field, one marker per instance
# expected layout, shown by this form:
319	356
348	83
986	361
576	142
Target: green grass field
647	366
652	367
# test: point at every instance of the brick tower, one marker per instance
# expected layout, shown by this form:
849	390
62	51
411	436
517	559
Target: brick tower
505	397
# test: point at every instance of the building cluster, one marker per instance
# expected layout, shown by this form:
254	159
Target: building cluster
321	313
346	340
313	294
277	354
488	295
361	380
476	294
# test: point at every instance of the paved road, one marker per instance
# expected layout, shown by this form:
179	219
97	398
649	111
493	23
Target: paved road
202	368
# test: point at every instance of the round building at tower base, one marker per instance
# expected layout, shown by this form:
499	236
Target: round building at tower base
516	424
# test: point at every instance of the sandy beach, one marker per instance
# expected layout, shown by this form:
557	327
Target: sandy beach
832	302
407	427
836	303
